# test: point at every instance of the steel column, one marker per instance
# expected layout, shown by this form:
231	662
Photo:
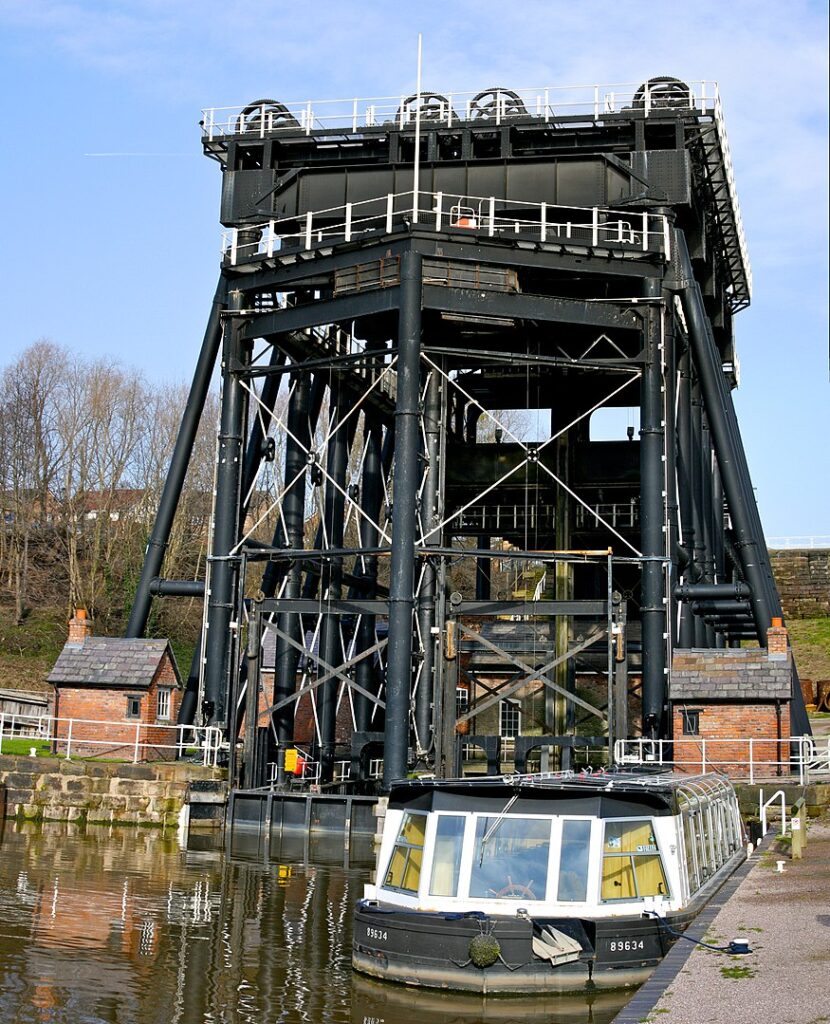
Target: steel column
686	632
429	517
222	631
652	514
286	657
331	576
169	501
401	597
731	456
371	497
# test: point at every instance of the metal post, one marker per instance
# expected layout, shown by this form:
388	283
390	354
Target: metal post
426	596
401	598
249	743
620	716
686	634
652	542
731	456
220	645
696	477
168	503
672	512
298	441
331	577
371	496
261	422
706	513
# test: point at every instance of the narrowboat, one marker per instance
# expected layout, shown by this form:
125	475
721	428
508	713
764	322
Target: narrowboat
553	881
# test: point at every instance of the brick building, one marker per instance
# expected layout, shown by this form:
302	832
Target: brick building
132	684
729	694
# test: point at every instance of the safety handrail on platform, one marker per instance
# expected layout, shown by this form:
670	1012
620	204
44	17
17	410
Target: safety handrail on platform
496	105
128	739
801	756
601	227
764	804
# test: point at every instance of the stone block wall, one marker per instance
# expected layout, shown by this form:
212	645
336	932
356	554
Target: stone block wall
803	578
55	789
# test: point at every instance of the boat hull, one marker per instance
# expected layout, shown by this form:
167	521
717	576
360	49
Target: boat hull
432	950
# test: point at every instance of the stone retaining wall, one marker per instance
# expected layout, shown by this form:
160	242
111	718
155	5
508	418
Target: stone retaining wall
803	579
54	789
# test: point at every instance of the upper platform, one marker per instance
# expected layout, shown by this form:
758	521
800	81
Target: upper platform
659	144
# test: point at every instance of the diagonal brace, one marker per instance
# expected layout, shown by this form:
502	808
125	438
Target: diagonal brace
533	674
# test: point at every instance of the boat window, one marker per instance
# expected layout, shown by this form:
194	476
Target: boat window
631	864
446	860
691	852
573	861
405	864
513	862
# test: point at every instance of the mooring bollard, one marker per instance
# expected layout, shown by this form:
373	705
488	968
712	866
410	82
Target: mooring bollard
798	823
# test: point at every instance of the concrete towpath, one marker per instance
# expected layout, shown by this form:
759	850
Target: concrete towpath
784	980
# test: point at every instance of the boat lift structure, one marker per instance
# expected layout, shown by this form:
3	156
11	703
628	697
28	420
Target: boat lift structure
394	274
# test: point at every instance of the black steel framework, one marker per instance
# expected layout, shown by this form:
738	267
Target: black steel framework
366	480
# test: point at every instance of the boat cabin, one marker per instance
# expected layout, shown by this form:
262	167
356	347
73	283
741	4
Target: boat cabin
600	846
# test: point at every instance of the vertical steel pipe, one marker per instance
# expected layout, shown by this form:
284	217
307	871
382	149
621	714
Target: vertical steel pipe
331	575
221	637
426	594
401	596
686	631
286	657
371	497
652	516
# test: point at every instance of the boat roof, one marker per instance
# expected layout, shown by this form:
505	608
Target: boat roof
603	794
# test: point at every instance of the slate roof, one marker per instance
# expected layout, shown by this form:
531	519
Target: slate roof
734	674
110	661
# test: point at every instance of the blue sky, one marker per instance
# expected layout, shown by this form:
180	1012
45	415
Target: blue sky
118	255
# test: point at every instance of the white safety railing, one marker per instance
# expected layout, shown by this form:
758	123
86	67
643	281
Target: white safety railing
803	757
817	540
496	106
490	217
729	174
127	740
779	796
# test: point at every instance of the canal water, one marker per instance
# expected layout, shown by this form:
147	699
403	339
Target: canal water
127	926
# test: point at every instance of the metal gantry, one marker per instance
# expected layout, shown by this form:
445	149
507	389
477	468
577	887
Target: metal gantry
408	385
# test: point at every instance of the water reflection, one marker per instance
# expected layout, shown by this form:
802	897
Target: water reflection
123	926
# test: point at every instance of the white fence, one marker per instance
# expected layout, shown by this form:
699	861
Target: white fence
812	541
310	771
498	105
597	226
126	740
803	757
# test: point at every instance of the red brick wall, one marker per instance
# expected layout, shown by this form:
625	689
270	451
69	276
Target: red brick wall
94	704
725	721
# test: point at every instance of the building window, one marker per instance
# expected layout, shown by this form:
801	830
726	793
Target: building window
510	719
691	722
133	706
164	702
462	701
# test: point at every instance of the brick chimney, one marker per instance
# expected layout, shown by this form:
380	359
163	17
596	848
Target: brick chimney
80	627
777	641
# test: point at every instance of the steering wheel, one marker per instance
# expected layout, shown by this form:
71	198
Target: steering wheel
517	889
